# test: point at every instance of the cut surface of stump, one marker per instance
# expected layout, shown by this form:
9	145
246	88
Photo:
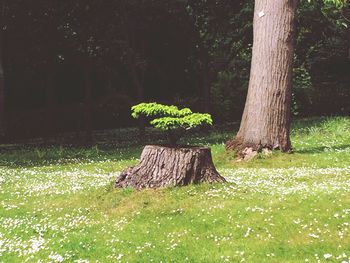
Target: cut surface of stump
162	166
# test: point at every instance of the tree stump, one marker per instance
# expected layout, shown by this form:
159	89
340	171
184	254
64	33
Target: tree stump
162	166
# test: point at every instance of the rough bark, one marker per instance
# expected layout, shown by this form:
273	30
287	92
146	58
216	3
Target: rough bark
266	118
162	166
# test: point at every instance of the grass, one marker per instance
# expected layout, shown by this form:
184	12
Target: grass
58	204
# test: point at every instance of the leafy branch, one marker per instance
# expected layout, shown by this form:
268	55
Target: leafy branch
170	118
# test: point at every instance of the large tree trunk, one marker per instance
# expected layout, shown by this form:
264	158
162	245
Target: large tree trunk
266	118
162	166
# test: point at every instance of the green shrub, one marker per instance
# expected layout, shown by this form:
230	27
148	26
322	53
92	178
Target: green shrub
170	119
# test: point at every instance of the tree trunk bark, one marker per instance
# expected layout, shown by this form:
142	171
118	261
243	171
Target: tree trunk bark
266	118
162	166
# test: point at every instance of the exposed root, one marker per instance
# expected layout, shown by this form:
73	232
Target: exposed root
247	151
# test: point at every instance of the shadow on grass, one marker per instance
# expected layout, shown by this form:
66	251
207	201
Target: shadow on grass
118	145
44	156
126	144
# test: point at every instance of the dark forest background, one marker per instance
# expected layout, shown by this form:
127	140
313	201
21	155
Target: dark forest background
80	65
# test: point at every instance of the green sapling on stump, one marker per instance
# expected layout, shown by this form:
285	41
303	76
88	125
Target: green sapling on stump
171	119
173	165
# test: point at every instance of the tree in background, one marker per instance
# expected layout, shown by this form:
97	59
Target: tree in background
266	117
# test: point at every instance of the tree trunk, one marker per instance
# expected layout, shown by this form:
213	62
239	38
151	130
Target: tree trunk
266	118
162	166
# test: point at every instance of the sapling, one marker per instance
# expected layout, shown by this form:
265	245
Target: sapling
163	166
171	119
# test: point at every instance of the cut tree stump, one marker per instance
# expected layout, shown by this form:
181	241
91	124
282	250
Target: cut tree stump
162	166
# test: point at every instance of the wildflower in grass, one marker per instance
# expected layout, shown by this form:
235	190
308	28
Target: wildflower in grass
56	257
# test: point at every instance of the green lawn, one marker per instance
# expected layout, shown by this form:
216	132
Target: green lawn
58	204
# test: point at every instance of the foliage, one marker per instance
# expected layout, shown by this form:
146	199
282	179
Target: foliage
302	90
320	65
337	3
171	117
